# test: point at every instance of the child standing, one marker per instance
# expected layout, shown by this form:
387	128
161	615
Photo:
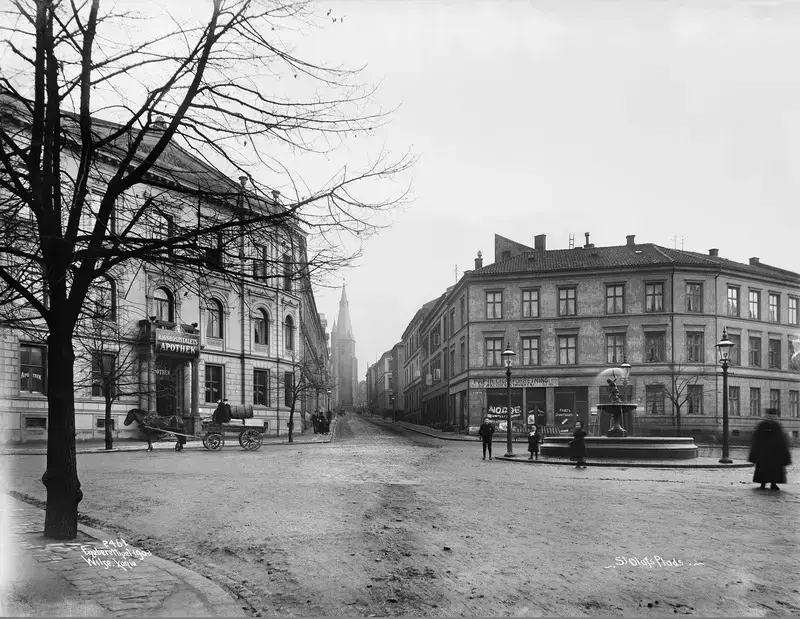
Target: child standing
534	438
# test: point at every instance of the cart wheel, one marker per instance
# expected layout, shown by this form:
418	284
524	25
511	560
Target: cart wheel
213	441
250	439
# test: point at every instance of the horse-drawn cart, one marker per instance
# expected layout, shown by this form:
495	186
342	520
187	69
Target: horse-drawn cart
250	431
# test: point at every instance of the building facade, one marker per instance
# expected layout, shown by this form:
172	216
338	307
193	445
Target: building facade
570	315
412	369
344	365
180	343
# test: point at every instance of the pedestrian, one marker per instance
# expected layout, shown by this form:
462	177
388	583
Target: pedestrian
578	446
534	437
770	452
485	432
225	417
218	412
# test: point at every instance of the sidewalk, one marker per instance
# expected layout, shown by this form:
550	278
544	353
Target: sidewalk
40	577
499	444
231	442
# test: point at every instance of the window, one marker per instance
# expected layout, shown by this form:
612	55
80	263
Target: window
163	306
775	399
530	303
214	319
733	300
494	305
694	297
774	354
261	387
794	403
694	348
615	348
103	374
35	422
654	297
734	401
463	312
163	226
654	399
287	272
288	333
444	328
774	307
567	349
615	299
32	368
214	253
566	301
754	304
463	355
794	354
104	299
453	360
452	321
260	262
261	328
755	352
735	355
793	311
755	402
288	388
214	383
694	400
655	347
530	351
494	346
100	423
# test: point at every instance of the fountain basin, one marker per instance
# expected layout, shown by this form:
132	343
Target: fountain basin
625	448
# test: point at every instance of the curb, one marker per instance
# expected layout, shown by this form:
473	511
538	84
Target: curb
632	464
210	592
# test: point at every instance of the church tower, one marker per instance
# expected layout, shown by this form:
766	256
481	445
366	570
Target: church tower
343	358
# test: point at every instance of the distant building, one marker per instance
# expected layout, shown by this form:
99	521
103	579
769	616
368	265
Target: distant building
344	365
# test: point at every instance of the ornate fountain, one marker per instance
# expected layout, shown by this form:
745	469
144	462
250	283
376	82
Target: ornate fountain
617	443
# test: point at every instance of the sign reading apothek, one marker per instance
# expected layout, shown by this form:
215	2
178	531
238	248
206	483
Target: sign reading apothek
177	343
520	381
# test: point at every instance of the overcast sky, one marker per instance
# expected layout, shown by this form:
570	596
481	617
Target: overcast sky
653	119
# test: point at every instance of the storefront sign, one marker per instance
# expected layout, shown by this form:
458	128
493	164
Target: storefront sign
177	343
520	381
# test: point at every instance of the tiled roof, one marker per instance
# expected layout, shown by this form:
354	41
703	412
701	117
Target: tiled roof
615	257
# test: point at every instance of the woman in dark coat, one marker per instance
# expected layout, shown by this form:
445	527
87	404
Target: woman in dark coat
770	452
533	442
578	446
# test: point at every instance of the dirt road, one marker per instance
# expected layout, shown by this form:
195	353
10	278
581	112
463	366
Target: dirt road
385	523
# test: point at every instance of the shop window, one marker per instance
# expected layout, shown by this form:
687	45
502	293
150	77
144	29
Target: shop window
32	368
103	374
261	394
214	383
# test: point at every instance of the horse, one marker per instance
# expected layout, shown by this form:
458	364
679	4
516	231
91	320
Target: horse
156	425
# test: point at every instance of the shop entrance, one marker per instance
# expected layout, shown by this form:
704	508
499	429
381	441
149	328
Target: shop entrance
168	380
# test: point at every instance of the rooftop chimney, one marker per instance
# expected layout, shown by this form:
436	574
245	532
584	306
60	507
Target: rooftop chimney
588	244
276	196
243	181
479	261
539	242
754	261
630	240
159	124
713	252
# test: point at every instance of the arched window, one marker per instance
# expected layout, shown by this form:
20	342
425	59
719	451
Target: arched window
163	305
214	320
105	299
288	333
261	328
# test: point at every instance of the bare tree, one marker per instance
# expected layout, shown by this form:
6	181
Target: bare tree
678	388
111	138
306	378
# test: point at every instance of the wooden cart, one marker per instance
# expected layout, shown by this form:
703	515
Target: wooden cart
250	437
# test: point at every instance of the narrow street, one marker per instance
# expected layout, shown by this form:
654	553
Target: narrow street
384	522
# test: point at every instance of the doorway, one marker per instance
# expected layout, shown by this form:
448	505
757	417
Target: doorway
168	374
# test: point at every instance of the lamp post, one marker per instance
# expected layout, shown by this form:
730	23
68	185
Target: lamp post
724	347
507	354
327	408
626	373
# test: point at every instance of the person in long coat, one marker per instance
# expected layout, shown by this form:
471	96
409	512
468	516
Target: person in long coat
485	432
578	446
770	452
534	438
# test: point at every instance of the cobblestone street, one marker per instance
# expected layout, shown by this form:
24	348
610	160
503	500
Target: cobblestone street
386	522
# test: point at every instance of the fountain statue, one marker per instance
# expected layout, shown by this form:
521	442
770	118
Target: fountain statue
617	408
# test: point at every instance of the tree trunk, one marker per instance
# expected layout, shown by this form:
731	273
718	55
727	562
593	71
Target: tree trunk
61	476
291	423
678	419
109	433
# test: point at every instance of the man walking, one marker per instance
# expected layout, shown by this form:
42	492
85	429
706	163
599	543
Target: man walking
485	432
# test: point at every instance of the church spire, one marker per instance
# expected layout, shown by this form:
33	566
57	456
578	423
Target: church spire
345	329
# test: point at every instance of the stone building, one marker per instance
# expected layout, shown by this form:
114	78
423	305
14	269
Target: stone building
181	343
570	314
344	365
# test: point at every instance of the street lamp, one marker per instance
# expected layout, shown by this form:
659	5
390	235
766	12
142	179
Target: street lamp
724	347
329	401
626	373
507	354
